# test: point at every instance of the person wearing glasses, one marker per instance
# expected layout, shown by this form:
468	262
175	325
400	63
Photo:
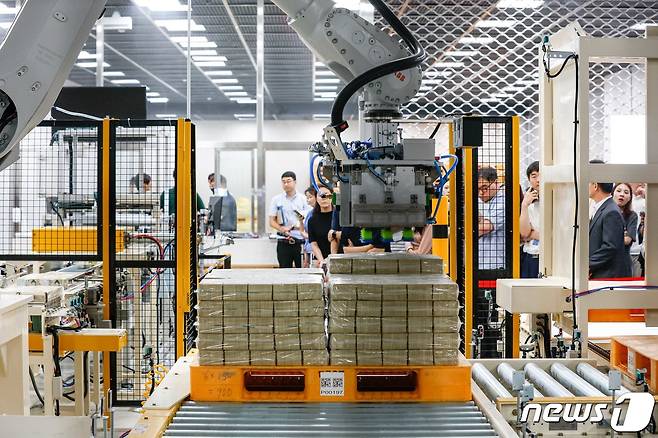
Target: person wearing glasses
491	220
319	225
311	195
287	212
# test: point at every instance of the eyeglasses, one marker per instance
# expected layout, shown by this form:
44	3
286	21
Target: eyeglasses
486	187
324	195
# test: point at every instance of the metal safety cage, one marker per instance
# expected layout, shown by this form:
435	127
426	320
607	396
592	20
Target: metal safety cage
487	332
151	245
50	205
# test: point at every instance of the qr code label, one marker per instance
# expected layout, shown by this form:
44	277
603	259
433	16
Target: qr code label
332	384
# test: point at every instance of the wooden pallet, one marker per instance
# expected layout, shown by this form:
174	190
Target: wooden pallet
331	383
630	353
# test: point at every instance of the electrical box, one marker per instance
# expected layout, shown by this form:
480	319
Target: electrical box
469	132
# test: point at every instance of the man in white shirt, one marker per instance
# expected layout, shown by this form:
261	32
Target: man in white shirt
491	220
287	212
529	224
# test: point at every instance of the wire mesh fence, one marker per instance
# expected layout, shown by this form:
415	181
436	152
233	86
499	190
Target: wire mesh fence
145	308
143	195
493	70
49	204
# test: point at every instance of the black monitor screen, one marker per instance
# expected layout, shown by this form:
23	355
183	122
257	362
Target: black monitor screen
114	102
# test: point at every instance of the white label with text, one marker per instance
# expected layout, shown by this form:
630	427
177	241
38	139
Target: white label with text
332	383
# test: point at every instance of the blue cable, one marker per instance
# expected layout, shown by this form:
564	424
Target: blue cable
443	180
372	169
311	173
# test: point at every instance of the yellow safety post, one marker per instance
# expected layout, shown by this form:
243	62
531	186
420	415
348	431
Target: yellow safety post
183	229
468	248
516	235
105	191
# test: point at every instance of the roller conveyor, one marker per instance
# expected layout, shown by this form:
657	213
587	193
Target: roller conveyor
318	420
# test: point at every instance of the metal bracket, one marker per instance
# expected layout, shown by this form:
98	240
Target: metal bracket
556	54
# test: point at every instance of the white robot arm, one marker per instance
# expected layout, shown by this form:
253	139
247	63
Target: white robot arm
37	56
384	180
350	46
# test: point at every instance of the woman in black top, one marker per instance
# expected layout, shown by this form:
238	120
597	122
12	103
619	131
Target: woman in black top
623	196
320	224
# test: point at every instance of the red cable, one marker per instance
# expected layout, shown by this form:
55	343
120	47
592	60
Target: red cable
153	239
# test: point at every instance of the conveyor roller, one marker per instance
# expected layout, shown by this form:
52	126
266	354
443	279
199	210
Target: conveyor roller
488	382
506	373
335	419
546	384
597	379
573	382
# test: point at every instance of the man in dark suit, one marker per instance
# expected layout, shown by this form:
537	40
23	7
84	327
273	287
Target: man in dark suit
607	258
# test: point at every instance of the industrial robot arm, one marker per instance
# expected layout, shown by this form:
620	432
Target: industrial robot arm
386	181
369	60
37	56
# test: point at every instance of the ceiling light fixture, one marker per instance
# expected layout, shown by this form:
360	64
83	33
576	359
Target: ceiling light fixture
498	24
159	100
90	64
219	73
152	94
210	58
476	40
520	4
6	10
86	55
460	53
642	26
210	63
236	94
327	81
180	25
323	99
326	87
165	116
244	116
324	73
231	88
202	52
225	81
195	41
125	81
162	5
448	64
243	101
114	74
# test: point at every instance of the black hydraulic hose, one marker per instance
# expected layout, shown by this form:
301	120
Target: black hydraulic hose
418	55
36	389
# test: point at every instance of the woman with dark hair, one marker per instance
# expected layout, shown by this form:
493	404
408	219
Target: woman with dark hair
320	224
623	196
310	194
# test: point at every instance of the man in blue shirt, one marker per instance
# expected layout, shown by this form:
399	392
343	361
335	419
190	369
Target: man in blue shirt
287	212
491	220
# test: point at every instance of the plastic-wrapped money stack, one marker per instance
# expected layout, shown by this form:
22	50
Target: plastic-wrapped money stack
262	318
392	309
